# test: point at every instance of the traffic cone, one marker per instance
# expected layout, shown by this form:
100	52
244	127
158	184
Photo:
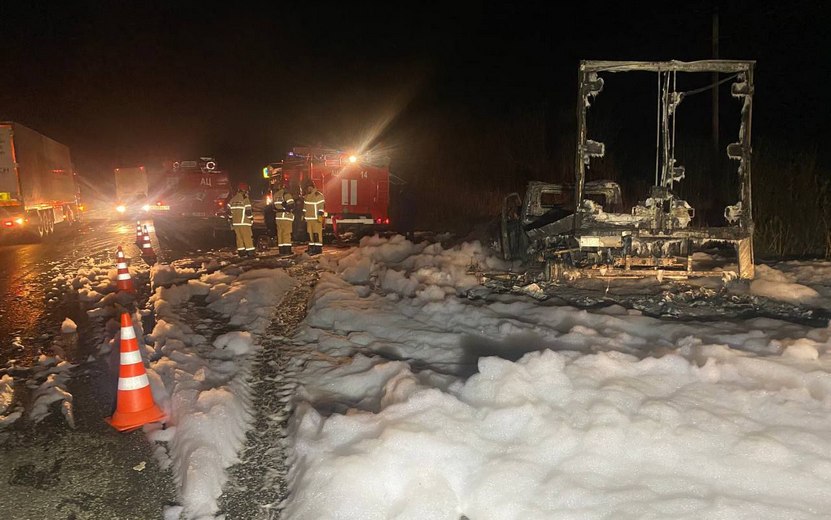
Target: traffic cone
124	281
134	404
147	252
138	233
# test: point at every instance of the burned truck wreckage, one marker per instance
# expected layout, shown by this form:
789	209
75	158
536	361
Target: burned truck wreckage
582	230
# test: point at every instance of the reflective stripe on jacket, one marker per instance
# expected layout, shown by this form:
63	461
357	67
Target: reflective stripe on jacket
281	196
241	212
313	205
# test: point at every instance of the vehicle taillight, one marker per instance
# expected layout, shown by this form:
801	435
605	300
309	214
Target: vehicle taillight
377	220
220	202
386	221
8	223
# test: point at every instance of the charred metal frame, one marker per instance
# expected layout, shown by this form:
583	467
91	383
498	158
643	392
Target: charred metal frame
739	230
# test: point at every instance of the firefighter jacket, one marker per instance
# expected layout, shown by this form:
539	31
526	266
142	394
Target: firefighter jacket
284	212
313	205
241	211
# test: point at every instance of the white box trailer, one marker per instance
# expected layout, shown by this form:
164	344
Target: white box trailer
131	190
38	185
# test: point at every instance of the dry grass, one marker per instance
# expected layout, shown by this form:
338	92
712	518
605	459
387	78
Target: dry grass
792	204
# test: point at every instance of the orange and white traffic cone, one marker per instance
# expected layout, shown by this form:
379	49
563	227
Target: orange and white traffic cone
124	282
147	253
134	404
138	233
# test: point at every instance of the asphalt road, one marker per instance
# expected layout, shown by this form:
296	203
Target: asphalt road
26	274
47	469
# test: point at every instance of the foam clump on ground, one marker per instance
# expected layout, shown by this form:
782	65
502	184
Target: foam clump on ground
508	408
203	382
68	326
780	285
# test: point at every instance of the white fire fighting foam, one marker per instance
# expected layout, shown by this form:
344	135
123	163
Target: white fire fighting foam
204	385
6	394
68	326
591	414
609	414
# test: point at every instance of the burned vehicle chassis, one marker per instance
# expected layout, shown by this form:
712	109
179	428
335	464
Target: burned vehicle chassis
655	238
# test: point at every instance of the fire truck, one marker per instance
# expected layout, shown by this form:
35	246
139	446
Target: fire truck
356	187
195	191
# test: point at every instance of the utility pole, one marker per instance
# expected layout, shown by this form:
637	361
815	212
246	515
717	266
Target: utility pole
715	88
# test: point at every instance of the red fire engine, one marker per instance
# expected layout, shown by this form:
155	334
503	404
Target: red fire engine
356	187
193	190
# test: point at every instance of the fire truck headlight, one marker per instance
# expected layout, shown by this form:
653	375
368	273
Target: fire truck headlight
146	207
18	221
353	159
120	209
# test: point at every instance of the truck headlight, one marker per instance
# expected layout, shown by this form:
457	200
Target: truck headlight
120	209
19	221
146	207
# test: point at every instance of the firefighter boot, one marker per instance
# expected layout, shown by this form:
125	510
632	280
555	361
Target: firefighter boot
285	250
316	248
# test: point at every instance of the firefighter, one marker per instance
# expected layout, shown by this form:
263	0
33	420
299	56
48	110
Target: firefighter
269	217
284	204
314	215
242	218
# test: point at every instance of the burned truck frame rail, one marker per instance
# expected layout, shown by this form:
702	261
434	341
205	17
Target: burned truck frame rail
658	229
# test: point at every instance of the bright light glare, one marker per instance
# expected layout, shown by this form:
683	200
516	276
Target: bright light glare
353	159
19	221
146	207
120	209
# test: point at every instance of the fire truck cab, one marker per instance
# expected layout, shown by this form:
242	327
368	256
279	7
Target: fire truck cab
356	187
194	191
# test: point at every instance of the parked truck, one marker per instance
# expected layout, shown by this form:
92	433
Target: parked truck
38	185
131	190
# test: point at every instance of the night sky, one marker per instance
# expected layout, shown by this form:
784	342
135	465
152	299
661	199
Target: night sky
133	85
